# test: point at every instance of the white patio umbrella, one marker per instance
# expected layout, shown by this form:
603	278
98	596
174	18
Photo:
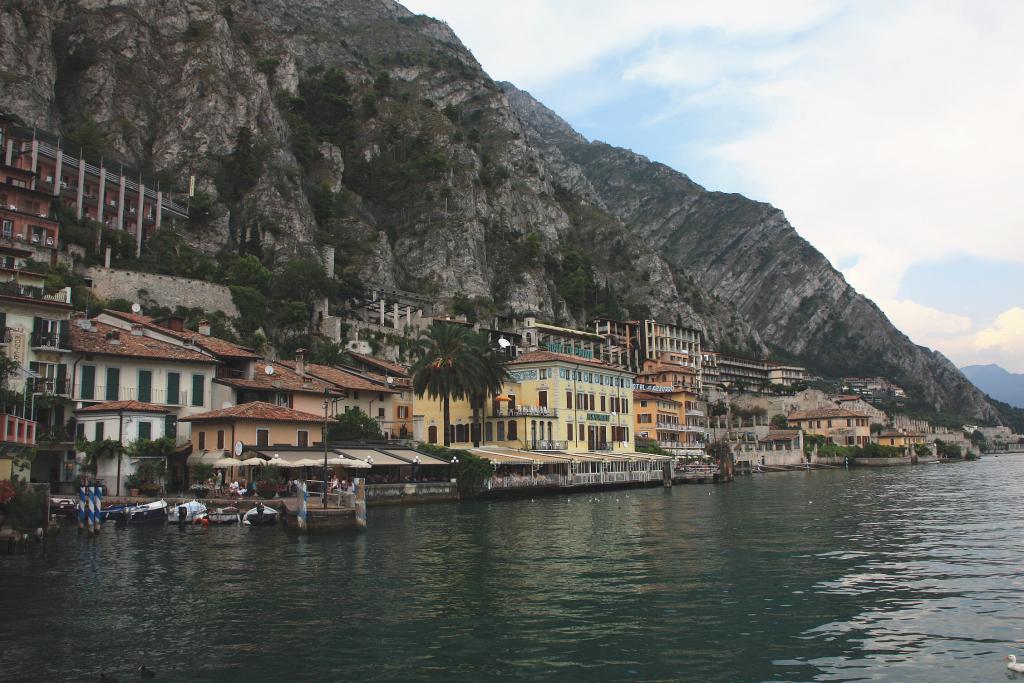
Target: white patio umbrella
255	462
226	463
308	462
338	461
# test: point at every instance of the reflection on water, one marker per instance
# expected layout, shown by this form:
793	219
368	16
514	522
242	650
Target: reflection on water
907	574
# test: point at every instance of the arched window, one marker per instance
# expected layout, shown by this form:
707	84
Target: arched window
432	434
488	431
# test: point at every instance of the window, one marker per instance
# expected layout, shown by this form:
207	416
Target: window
644	418
625	406
501	431
99	432
302	438
173	388
403	412
568	432
380	413
512	436
8	230
543	373
198	389
145	429
542	399
113	384
202	441
602	403
79	432
488	431
432	434
88	386
262	437
220	439
568	400
146	386
583	432
592	402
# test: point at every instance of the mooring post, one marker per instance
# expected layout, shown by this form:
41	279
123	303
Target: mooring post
81	506
360	502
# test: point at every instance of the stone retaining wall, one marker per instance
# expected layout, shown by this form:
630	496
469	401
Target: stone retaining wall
162	290
409	493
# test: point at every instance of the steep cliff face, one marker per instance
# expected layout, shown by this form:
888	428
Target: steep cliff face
359	125
748	254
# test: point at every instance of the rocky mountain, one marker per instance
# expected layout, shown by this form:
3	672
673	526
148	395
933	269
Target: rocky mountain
998	383
359	125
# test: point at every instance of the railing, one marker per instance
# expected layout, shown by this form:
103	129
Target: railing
546	445
531	411
50	340
603	447
516	482
48	385
12	288
131	393
18	429
54	434
672	426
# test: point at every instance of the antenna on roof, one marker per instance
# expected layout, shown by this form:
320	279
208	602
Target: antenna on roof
136	308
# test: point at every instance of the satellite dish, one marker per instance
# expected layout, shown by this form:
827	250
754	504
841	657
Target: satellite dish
136	308
391	380
504	343
238	448
269	369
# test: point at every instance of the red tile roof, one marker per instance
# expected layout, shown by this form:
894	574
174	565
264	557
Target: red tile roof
283	379
542	356
130	406
343	379
393	368
820	413
214	345
781	435
257	410
95	340
654	396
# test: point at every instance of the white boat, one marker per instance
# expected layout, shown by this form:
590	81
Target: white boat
261	514
228	515
186	512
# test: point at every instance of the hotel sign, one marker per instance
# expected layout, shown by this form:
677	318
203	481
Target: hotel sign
555	347
598	417
653	388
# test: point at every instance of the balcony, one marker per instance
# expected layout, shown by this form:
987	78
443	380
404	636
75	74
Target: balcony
55	434
50	340
531	411
12	288
545	445
131	393
48	385
670	426
18	430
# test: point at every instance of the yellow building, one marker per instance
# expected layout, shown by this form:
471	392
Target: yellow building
553	402
897	438
253	424
838	426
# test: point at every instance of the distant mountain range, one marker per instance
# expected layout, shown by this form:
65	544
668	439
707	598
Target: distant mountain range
998	383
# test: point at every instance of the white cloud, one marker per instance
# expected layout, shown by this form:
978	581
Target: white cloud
889	132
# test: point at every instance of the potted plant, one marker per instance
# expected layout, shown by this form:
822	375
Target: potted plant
151	473
131	482
270	482
201	473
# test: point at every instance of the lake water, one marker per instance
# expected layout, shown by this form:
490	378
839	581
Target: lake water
903	574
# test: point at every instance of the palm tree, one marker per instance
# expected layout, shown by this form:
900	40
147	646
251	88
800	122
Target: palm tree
490	377
447	368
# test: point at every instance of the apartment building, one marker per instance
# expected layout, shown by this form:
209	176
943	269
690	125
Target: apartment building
43	171
837	425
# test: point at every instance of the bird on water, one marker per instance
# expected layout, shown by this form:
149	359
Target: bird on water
1012	665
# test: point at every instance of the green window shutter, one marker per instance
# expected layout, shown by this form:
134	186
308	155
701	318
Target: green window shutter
173	388
62	379
146	430
171	427
3	320
198	389
88	389
99	431
146	386
65	334
113	384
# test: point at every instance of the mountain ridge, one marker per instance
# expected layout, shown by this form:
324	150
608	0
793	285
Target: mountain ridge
997	382
375	131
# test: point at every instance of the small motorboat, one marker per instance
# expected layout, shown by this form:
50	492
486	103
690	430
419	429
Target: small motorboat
261	515
64	507
229	515
185	512
136	514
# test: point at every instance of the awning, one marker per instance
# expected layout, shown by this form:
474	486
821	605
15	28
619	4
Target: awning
509	456
206	457
409	454
299	458
379	457
227	463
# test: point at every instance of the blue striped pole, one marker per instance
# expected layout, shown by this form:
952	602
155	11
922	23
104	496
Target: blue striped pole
97	498
81	506
91	494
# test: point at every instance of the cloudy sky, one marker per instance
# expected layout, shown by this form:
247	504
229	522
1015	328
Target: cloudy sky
891	133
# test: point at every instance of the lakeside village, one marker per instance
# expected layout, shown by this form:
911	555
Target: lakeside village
150	409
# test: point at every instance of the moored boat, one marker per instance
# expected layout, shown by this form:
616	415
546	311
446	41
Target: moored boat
186	512
65	507
155	511
261	515
229	515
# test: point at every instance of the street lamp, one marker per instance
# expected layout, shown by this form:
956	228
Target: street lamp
415	467
327	394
